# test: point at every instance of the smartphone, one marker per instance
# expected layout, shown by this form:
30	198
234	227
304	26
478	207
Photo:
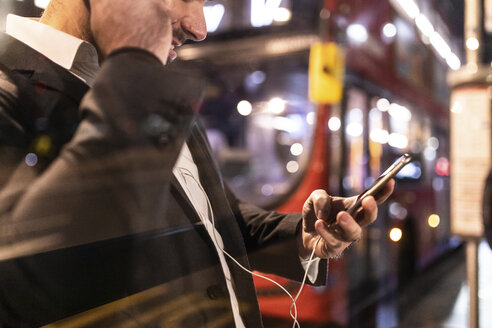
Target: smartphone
379	183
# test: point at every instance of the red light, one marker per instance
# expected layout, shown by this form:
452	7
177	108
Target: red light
442	166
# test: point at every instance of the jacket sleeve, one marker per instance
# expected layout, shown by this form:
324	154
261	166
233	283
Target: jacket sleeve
271	241
118	166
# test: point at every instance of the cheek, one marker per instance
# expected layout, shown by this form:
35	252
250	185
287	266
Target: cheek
176	8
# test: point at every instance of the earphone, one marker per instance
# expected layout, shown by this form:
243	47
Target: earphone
294	299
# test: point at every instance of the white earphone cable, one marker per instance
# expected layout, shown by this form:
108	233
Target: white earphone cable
293	308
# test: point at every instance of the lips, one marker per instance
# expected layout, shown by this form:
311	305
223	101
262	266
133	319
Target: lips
172	52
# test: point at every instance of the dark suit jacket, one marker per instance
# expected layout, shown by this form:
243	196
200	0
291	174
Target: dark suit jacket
94	228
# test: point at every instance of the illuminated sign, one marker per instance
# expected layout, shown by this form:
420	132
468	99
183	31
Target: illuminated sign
265	12
213	16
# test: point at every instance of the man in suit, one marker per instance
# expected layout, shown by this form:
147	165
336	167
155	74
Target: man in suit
111	208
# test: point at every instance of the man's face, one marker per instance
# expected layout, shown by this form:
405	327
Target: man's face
188	23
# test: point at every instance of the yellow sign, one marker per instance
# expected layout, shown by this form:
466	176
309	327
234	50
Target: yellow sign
326	73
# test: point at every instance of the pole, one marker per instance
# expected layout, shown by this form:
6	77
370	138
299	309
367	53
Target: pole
473	28
472	275
473	19
473	14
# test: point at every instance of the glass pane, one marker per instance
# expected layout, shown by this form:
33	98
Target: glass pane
260	127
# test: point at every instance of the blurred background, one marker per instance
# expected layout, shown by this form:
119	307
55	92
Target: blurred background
275	142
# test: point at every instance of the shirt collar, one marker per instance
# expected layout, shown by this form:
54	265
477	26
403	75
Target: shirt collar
73	54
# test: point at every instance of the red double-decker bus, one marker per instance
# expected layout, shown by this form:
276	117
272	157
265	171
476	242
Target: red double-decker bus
275	146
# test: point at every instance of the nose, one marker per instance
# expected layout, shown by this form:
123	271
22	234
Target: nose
194	25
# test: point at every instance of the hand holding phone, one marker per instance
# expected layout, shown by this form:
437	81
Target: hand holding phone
378	185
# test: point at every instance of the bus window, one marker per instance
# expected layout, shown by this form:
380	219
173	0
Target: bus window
263	132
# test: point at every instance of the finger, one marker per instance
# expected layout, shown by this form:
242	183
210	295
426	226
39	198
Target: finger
369	211
345	230
321	204
382	195
335	242
331	244
350	229
342	203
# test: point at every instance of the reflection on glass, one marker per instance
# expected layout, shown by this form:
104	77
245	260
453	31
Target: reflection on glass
269	154
277	134
260	124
